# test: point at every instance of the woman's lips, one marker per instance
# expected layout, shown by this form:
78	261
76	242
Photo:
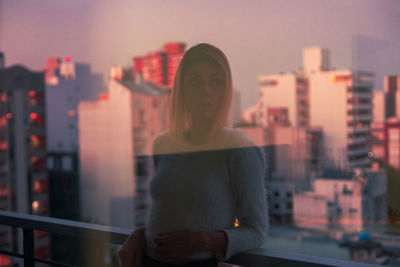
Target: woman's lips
206	104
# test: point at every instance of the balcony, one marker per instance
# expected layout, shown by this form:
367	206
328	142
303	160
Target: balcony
360	107
106	234
356	130
359	95
367	117
357	140
358	151
362	162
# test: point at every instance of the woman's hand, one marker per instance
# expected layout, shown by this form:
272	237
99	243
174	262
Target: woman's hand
132	251
176	247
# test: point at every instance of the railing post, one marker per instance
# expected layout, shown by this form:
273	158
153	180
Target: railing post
29	249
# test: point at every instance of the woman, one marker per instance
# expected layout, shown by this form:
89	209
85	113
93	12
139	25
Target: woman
209	199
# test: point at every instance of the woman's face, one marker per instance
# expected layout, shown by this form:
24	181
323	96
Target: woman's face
203	90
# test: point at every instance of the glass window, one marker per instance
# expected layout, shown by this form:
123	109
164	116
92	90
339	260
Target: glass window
80	113
67	163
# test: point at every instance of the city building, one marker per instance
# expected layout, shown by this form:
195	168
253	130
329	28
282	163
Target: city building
159	67
116	134
337	101
385	127
392	96
369	250
392	142
377	139
378	102
280	201
341	104
291	154
343	201
63	169
284	100
285	149
67	83
23	172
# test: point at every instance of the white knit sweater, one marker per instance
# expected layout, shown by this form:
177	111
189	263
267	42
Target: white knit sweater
205	187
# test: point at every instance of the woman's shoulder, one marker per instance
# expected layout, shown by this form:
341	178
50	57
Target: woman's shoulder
237	139
228	138
162	143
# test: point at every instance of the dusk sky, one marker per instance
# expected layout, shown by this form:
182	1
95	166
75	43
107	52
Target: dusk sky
259	37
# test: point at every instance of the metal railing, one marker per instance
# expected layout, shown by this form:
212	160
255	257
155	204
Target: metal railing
106	234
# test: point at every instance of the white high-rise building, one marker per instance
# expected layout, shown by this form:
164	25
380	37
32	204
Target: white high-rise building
115	137
339	102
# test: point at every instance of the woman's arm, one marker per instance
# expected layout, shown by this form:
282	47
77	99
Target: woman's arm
176	247
247	173
133	249
213	241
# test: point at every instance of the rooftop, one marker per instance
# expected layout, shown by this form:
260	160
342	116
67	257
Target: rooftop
144	88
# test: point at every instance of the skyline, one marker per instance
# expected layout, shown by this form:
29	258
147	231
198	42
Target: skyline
243	31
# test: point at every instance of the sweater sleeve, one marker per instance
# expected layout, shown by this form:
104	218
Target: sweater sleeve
247	171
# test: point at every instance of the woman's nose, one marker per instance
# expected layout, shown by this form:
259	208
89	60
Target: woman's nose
206	89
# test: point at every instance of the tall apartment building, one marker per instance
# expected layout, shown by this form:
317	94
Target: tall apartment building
341	103
392	142
337	101
385	127
67	83
116	134
344	201
159	67
392	96
377	139
23	171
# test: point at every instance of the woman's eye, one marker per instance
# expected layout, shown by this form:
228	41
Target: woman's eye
215	82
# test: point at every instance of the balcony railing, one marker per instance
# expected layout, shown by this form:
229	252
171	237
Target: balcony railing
113	235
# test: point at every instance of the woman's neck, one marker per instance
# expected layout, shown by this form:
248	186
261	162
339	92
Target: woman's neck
199	132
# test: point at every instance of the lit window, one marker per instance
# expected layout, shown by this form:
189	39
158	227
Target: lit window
35	206
71	113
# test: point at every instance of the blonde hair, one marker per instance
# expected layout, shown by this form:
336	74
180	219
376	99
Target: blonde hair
179	117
